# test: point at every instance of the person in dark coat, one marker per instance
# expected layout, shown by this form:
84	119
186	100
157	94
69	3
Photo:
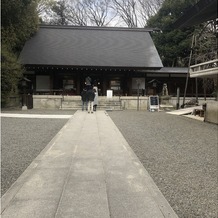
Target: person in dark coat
88	83
84	99
90	98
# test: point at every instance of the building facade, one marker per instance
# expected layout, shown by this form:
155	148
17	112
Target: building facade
59	58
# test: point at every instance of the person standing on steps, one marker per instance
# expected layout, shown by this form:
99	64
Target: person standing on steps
84	99
88	82
95	103
90	98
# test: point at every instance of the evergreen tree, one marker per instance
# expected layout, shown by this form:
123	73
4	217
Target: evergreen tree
19	22
11	73
172	44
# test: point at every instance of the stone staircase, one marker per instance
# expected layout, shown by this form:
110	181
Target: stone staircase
104	103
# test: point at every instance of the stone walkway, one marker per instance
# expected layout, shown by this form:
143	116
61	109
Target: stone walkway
87	170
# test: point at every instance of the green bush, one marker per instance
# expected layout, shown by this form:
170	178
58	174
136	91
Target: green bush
11	73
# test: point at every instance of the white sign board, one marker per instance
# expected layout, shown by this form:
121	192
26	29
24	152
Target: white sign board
153	103
109	93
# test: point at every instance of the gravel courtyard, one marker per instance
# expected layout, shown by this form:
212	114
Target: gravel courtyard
179	153
23	139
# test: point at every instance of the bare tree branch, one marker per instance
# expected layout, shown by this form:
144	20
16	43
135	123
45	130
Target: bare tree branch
131	13
90	12
135	13
77	14
43	6
126	9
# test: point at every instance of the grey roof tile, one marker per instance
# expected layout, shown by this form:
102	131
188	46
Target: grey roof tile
91	47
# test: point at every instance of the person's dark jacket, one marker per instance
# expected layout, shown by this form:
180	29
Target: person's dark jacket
84	95
90	95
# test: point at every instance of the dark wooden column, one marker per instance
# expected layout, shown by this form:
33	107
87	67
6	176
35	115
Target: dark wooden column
104	86
51	76
129	84
126	84
78	84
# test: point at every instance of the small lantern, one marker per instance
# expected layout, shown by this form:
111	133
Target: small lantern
23	83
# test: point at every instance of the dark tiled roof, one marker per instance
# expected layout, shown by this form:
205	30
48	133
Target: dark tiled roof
174	70
91	47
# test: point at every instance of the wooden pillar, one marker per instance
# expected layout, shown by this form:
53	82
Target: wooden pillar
78	82
104	86
82	81
124	84
51	76
129	84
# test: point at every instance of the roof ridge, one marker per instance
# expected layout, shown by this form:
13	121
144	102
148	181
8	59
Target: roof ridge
145	29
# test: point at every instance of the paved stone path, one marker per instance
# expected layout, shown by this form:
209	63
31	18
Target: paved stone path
87	170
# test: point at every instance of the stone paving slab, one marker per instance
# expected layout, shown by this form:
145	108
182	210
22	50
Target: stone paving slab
87	170
184	111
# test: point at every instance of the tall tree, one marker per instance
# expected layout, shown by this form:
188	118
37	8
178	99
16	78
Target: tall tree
60	9
131	13
99	12
44	6
82	13
172	44
127	10
44	10
19	22
206	42
147	9
11	73
135	13
78	14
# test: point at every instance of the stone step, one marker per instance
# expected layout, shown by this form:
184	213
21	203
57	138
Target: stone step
104	104
166	107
